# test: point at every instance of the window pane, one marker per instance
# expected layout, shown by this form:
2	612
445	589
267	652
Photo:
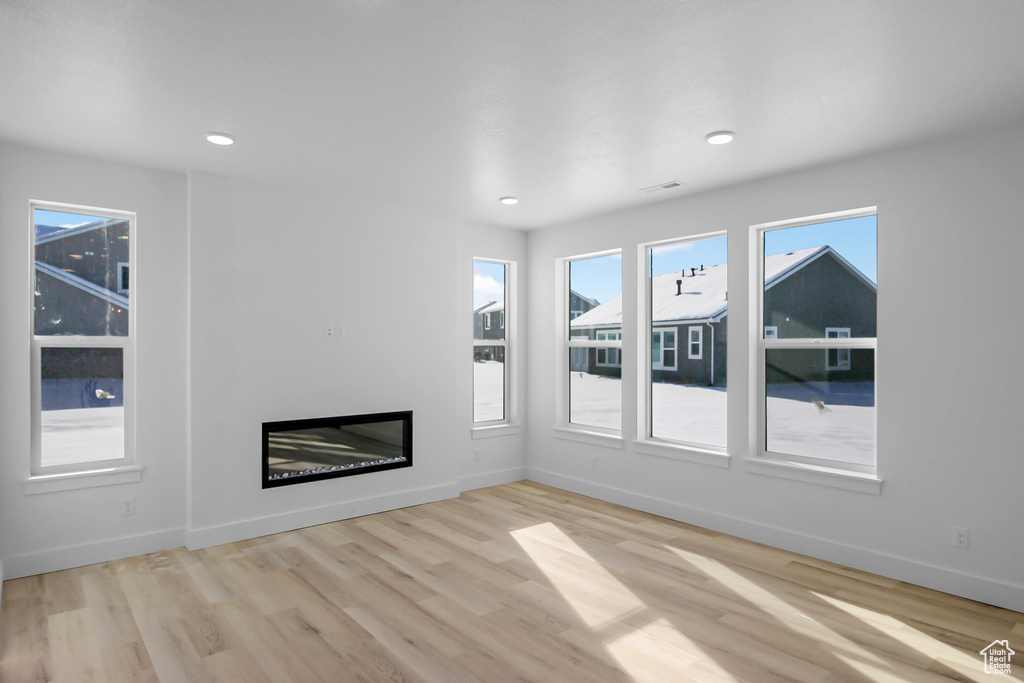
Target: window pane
595	400
82	392
595	289
688	379
815	413
81	275
488	383
488	300
820	276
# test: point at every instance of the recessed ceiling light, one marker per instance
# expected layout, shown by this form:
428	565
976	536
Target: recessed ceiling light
720	137
509	200
220	138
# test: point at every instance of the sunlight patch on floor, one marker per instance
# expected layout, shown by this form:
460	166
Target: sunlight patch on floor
775	607
597	596
964	664
655	651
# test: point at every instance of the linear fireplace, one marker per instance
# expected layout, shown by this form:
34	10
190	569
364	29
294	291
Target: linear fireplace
297	451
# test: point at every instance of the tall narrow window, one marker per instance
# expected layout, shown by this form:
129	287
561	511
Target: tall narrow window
83	341
593	341
817	367
491	344
686	326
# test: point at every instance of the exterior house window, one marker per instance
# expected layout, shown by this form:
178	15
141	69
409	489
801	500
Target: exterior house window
696	344
663	349
816	373
492	341
837	359
591	395
83	341
685	380
122	278
609	358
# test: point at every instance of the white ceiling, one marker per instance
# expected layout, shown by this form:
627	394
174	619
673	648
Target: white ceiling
572	105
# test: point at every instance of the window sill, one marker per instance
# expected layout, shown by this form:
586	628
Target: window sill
494	430
68	481
663	449
588	437
815	474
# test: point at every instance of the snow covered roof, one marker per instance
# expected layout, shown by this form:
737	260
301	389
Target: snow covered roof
52	233
701	296
492	307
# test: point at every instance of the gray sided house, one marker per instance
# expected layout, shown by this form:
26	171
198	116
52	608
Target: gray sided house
82	279
489	323
808	293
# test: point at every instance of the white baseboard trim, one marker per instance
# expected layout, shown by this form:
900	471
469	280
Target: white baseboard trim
275	524
93	553
496	478
1007	595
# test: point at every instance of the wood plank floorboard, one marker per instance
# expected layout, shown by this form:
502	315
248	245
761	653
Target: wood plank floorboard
520	582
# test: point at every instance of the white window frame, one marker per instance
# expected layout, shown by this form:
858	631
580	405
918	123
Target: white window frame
646	443
690	341
49	478
841	354
847	475
510	344
565	341
659	363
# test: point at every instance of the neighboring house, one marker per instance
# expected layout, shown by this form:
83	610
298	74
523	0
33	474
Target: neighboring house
82	279
579	359
489	323
809	293
491	320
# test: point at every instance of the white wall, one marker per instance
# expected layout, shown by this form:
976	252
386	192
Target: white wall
949	369
490	460
49	531
271	266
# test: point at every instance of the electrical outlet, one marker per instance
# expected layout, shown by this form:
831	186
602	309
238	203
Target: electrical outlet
593	462
961	537
128	506
335	332
476	453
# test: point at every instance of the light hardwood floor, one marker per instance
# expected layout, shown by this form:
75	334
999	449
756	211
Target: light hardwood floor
520	582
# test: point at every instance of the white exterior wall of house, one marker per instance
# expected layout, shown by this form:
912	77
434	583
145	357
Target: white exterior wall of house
949	430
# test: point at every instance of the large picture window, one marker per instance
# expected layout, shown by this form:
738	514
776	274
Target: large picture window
593	341
686	318
491	341
83	341
816	356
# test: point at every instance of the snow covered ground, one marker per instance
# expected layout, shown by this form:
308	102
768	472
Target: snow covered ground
488	391
82	435
796	426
